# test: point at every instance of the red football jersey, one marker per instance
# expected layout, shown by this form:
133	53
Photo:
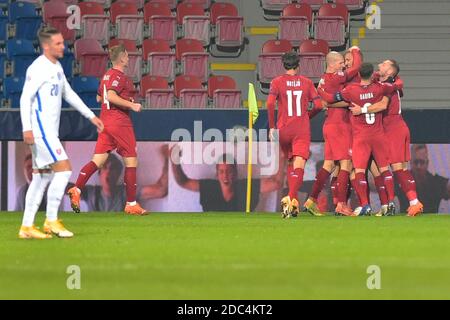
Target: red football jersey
333	83
366	95
117	81
293	93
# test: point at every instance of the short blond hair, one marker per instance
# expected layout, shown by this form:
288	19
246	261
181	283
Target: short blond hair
46	32
116	51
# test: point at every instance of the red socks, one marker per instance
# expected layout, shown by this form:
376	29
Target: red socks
389	184
295	181
321	179
379	184
361	187
86	172
130	184
334	191
342	185
407	183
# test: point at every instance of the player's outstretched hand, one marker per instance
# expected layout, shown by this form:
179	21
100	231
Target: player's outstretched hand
136	107
28	137
175	154
355	109
98	123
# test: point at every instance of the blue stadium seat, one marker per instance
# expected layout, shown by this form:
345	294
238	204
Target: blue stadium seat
26	20
2	65
4	3
67	62
86	88
22	54
3	27
12	89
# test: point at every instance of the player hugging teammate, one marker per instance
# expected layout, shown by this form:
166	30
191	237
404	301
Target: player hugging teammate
363	127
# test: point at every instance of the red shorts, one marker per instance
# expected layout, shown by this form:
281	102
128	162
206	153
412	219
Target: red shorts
398	137
120	138
338	141
366	146
295	142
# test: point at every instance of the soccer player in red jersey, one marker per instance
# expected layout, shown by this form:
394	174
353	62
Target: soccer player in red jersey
293	93
368	132
115	93
398	136
337	133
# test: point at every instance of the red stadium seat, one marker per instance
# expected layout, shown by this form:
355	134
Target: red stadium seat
160	59
270	61
314	4
104	3
204	3
55	14
193	58
312	58
138	3
91	57
195	24
351	4
190	92
161	23
171	3
129	24
229	26
295	23
156	92
134	70
274	7
95	23
222	90
331	24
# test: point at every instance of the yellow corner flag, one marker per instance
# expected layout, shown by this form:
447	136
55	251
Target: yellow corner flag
253	114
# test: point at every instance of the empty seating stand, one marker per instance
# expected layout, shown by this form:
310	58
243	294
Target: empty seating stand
331	24
171	3
295	23
160	23
156	92
21	53
127	21
312	58
24	19
55	14
223	93
194	23
92	59
192	59
190	92
87	88
160	60
12	88
95	24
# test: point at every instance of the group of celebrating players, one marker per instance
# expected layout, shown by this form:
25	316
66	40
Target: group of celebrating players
363	129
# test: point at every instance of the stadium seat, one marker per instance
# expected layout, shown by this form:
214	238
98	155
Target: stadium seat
228	26
171	3
192	58
21	53
295	23
352	5
134	70
204	3
12	90
156	92
195	24
86	88
2	65
3	27
138	3
127	21
270	61
331	24
312	58
92	58
55	14
190	92
161	24
314	4
222	90
274	7
94	22
23	16
4	4
104	3
160	59
67	62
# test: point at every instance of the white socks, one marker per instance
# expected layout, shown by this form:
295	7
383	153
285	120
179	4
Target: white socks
33	199
56	192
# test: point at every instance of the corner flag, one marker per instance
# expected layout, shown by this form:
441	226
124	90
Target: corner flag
253	114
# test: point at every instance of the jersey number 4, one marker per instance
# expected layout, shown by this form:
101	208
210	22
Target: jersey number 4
105	97
298	102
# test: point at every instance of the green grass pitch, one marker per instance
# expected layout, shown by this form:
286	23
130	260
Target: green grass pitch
229	256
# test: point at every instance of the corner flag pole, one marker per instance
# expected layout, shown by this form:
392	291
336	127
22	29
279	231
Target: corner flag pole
253	113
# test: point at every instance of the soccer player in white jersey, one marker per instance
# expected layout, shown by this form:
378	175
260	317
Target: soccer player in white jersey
40	110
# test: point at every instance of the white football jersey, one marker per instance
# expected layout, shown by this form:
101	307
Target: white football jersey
40	103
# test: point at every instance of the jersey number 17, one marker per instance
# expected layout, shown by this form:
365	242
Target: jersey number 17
298	102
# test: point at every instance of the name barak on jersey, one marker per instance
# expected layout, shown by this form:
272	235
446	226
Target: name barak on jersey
293	83
366	96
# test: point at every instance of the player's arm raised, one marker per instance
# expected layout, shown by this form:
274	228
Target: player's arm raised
75	101
31	86
180	177
357	62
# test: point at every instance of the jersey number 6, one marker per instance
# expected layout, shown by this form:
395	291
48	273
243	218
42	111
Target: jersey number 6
370	117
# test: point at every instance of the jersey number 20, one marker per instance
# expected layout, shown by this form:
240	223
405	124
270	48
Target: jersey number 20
298	104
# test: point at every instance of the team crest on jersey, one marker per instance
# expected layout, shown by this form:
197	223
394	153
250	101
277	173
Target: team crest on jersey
58	151
115	83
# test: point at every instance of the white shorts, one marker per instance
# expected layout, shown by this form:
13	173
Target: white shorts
46	151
